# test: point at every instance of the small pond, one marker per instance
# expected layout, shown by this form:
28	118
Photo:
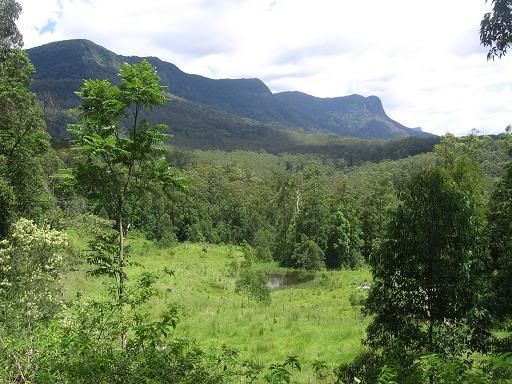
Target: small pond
283	279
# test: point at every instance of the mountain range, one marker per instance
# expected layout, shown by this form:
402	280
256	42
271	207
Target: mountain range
210	113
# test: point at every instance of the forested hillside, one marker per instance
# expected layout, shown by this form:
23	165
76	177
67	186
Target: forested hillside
205	108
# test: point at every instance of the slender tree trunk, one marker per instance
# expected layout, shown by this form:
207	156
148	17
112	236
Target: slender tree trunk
122	277
431	306
430	340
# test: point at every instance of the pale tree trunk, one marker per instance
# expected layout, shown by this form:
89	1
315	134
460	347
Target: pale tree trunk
297	202
122	277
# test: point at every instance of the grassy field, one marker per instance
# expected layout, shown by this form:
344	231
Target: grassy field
317	320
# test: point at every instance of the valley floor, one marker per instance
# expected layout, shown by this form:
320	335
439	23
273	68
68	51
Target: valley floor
317	320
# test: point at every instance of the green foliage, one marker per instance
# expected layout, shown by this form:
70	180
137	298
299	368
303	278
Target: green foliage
262	242
164	231
305	211
79	347
387	376
428	276
104	255
375	206
10	36
31	267
462	159
118	163
500	244
7	199
251	282
495	29
357	299
496	370
342	152
254	285
23	143
313	229
308	255
312	207
365	368
281	373
320	369
233	201
302	219
344	243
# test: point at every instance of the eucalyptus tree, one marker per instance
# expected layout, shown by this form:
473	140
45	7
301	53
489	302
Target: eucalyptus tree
428	274
23	139
10	36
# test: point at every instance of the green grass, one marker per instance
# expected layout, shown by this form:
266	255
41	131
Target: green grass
313	321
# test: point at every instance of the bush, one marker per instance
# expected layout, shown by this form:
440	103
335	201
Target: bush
30	271
254	285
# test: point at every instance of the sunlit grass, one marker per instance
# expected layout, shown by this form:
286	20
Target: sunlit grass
315	321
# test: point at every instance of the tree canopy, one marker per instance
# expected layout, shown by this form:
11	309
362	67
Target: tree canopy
23	139
496	28
10	36
428	270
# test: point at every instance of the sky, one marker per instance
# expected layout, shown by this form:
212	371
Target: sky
421	57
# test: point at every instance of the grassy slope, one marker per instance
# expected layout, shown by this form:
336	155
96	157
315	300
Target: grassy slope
312	321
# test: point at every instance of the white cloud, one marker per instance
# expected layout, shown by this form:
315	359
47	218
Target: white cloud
422	58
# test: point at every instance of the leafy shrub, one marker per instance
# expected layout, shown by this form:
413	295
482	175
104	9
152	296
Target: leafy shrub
254	285
30	272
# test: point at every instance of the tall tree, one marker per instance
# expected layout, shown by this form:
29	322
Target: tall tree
23	139
118	149
380	199
428	272
344	243
500	243
304	209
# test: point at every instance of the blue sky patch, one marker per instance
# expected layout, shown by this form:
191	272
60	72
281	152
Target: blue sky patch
49	27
